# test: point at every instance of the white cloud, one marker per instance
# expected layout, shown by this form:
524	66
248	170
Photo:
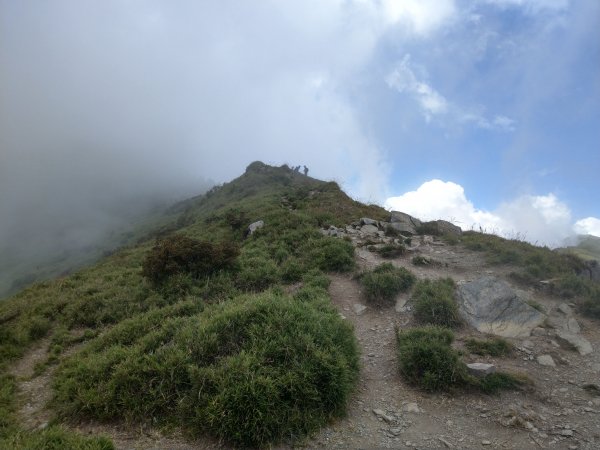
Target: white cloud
542	219
404	80
533	6
423	16
434	105
589	225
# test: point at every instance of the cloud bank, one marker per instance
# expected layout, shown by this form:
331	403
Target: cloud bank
541	219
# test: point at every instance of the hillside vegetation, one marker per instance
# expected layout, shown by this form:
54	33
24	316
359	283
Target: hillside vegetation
167	350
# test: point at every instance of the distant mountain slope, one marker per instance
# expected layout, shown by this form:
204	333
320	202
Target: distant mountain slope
587	247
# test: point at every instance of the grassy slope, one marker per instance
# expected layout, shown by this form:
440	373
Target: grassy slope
98	297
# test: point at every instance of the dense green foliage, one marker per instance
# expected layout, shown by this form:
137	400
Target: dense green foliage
426	359
495	346
253	370
382	284
434	302
135	325
177	254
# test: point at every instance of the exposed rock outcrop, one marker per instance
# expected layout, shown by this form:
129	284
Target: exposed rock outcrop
492	306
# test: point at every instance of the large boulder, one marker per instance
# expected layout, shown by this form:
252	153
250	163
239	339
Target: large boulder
404	223
254	226
492	306
441	228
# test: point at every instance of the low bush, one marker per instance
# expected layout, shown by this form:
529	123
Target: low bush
334	255
495	382
255	370
426	359
391	250
494	346
420	260
179	254
55	438
434	302
382	284
591	303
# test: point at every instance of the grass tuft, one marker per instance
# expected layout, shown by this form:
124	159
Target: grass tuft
253	371
495	346
434	302
382	284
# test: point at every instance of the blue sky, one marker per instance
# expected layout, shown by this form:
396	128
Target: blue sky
497	100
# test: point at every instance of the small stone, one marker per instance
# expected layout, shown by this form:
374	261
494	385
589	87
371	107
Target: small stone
382	415
596	367
485	442
546	360
566	433
445	442
359	309
42	426
481	369
528	344
396	431
538	331
411	408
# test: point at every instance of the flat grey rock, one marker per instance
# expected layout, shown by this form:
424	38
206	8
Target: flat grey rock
546	360
369	229
492	306
481	369
358	309
581	344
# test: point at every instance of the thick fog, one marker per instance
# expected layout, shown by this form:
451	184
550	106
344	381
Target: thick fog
109	108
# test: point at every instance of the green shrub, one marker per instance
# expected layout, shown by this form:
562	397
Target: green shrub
179	254
381	285
591	303
391	250
334	255
55	438
254	370
38	327
257	273
495	382
427	360
434	302
494	347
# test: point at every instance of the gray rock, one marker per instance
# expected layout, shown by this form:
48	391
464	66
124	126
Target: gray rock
492	306
481	369
401	303
254	226
546	360
565	309
382	415
566	433
573	326
442	227
358	309
404	223
369	229
411	407
581	344
367	221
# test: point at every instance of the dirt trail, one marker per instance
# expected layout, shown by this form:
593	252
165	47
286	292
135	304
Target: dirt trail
387	413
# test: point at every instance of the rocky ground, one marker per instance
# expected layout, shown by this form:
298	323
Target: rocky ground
560	411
